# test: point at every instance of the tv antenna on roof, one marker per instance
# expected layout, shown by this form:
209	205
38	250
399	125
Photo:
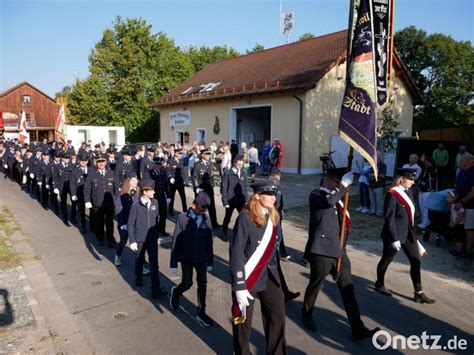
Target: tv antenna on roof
287	22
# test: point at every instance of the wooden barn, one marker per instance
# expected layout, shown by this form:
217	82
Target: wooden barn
41	111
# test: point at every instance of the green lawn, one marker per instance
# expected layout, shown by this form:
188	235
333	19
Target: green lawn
8	226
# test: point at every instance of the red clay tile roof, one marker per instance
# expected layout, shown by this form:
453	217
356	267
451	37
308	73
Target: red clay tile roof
294	66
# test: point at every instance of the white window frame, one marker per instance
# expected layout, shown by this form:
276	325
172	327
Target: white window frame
197	134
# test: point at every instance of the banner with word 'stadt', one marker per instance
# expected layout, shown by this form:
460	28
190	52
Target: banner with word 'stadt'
382	11
358	121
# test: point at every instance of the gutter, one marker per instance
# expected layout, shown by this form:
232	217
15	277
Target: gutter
300	135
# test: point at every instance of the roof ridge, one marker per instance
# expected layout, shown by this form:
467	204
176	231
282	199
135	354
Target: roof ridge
272	48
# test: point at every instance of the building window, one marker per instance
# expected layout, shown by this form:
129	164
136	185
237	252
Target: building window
26	100
28	118
201	134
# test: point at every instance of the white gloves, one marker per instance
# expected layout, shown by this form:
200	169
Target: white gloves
168	200
56	191
74	198
5	166
88	205
124	227
39	183
198	190
174	270
47	187
243	297
347	179
397	245
32	176
172	180
227	206
209	268
134	246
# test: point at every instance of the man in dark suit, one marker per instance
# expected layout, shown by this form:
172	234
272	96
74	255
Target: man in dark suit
176	181
324	248
233	191
99	196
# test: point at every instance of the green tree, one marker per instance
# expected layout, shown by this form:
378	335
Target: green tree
65	91
202	56
130	67
443	70
257	48
305	36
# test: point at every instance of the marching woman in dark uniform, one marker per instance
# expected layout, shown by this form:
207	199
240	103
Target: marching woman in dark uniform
128	195
77	183
192	247
324	249
254	271
142	227
160	176
398	233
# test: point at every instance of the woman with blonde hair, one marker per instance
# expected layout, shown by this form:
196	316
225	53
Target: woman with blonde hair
129	194
254	271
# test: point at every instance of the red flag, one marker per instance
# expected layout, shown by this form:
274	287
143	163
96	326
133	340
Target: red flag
1	120
24	136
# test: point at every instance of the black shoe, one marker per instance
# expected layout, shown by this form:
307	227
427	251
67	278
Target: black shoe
290	296
171	213
174	302
382	289
66	223
422	298
308	323
138	282
155	294
364	333
204	319
83	230
216	226
285	257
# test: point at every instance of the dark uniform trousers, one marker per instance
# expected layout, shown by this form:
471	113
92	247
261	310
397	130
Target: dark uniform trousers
44	195
187	282
99	216
163	212
272	305
81	207
53	199
321	267
212	207
411	251
180	188
150	246
228	214
64	192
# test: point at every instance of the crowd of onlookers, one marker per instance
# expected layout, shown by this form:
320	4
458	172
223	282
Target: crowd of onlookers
446	207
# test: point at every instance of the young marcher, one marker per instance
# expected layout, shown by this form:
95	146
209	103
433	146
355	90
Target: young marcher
142	227
456	223
253	161
398	233
233	191
128	195
192	247
254	271
324	249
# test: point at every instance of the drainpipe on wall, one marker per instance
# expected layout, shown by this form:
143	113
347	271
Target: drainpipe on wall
300	138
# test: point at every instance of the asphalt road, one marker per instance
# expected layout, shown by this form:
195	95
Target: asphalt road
102	311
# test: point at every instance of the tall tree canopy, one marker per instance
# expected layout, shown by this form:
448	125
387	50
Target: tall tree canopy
257	48
305	36
202	56
443	70
130	68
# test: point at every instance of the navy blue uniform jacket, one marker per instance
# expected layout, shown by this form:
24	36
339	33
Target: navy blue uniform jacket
233	188
324	224
190	243
396	225
247	237
100	190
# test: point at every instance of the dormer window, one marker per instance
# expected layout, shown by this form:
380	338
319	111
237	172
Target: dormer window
26	100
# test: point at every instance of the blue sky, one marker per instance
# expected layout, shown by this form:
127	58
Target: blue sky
47	42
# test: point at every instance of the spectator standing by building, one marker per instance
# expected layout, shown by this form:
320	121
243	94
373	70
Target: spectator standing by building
376	187
441	159
253	161
364	197
462	152
266	158
413	164
465	189
427	183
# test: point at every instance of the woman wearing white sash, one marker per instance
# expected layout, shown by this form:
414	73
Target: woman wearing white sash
254	271
398	234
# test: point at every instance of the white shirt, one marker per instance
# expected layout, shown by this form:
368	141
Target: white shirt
145	201
253	155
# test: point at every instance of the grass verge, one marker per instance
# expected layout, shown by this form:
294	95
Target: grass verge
8	226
